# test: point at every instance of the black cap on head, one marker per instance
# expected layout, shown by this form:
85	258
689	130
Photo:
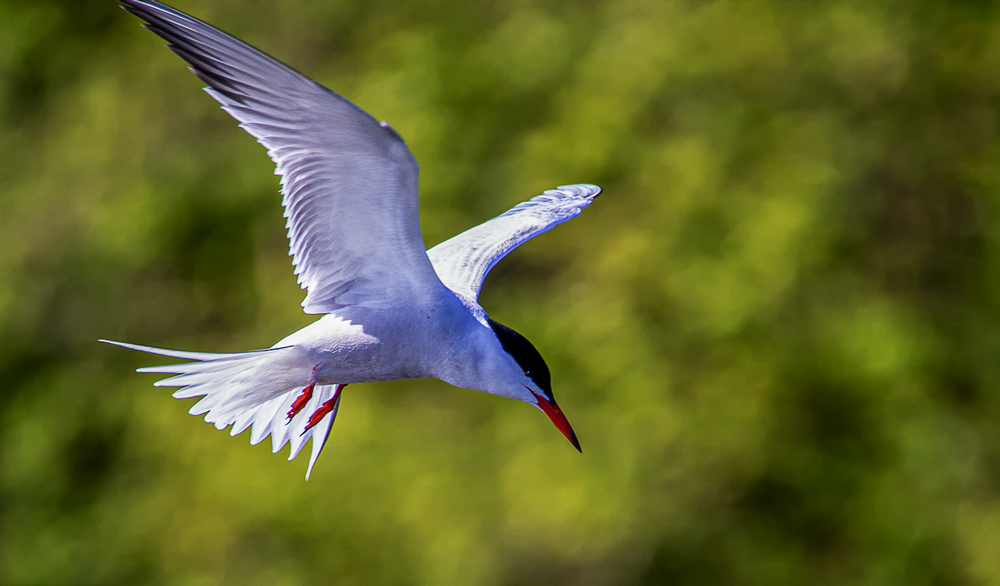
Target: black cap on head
525	355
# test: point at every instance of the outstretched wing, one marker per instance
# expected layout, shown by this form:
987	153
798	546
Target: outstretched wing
349	183
463	261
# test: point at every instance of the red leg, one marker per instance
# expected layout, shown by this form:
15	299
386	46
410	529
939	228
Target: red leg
303	398
324	409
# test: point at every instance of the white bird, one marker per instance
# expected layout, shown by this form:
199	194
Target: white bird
393	310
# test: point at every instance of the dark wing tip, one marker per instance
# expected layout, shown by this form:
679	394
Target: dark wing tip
139	8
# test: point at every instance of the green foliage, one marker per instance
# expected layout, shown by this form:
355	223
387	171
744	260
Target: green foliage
776	333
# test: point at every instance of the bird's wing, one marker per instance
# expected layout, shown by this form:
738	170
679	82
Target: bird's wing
463	261
349	183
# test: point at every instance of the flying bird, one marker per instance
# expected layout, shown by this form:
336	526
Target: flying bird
391	309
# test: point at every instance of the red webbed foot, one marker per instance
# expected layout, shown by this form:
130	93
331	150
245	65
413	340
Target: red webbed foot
303	398
324	409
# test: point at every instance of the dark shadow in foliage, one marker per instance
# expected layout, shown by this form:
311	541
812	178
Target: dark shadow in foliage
51	62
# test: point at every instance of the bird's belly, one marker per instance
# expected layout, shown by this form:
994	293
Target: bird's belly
343	351
363	364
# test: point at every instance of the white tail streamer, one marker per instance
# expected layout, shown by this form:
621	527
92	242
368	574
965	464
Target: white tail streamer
249	390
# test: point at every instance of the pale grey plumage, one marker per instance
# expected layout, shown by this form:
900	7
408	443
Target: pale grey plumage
339	167
349	186
463	261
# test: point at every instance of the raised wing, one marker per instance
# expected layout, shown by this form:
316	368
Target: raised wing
349	183
463	261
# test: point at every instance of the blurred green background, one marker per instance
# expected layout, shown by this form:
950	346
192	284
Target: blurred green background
776	334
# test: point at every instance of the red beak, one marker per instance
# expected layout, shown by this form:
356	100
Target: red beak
556	415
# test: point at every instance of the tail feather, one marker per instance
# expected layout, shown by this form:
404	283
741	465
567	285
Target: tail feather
249	390
243	421
264	420
191	369
177	353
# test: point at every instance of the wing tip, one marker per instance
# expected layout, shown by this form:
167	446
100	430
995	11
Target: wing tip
579	190
575	197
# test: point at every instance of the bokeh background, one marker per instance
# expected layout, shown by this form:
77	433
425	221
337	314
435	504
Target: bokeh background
777	333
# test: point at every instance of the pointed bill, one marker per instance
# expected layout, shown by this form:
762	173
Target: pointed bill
551	409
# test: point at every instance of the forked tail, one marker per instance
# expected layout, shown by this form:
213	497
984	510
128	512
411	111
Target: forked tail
250	389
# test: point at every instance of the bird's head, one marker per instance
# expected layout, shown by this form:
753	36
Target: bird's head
533	383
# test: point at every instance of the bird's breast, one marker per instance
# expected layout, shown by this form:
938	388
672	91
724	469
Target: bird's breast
357	344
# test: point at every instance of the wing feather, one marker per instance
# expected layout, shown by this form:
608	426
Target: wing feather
463	261
349	183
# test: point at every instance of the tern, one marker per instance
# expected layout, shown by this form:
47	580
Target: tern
392	310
